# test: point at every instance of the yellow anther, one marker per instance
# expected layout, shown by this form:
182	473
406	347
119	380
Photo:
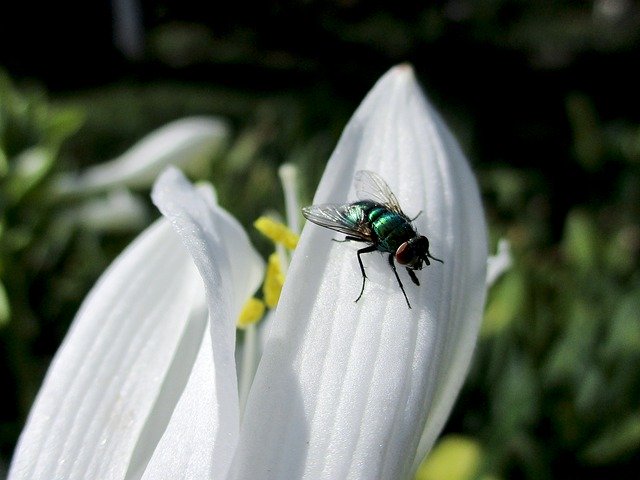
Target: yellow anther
276	232
273	281
252	311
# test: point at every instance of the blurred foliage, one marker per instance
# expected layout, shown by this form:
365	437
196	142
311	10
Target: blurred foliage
31	134
553	392
541	95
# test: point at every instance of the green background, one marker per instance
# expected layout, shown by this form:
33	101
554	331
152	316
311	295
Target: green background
543	96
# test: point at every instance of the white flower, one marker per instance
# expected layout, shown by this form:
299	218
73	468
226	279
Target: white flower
145	384
187	143
110	205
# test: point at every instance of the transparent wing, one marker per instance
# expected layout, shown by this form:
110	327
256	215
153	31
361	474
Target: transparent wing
370	186
343	218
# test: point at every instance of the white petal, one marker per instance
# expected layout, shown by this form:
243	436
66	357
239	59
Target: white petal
129	378
217	242
185	142
346	390
500	262
186	450
118	211
232	270
117	360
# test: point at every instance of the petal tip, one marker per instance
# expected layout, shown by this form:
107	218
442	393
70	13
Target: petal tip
403	73
405	69
169	176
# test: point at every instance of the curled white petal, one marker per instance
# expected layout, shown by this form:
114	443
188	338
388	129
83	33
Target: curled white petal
143	384
108	375
353	387
186	143
232	271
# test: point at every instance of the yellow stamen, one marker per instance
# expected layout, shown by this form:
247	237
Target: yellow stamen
276	232
252	311
273	281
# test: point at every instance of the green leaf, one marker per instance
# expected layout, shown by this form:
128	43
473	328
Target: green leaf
506	303
573	352
4	164
590	395
244	150
28	169
581	242
63	123
5	307
621	250
516	397
588	143
618	439
624	331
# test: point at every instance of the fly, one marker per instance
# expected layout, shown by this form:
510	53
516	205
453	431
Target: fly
377	220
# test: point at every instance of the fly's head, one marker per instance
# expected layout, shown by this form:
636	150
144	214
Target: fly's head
414	253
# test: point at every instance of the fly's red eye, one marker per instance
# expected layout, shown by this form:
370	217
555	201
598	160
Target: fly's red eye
404	255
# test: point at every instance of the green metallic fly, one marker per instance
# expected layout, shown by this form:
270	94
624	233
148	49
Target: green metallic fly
378	220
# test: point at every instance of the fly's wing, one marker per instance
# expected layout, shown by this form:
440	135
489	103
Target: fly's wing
343	218
370	186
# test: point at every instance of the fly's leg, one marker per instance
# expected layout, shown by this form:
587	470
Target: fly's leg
393	266
419	213
433	258
349	238
369	249
412	274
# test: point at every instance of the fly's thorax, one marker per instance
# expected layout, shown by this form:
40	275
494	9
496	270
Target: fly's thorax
390	228
356	213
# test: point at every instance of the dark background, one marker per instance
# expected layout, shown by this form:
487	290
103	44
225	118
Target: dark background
505	68
543	97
